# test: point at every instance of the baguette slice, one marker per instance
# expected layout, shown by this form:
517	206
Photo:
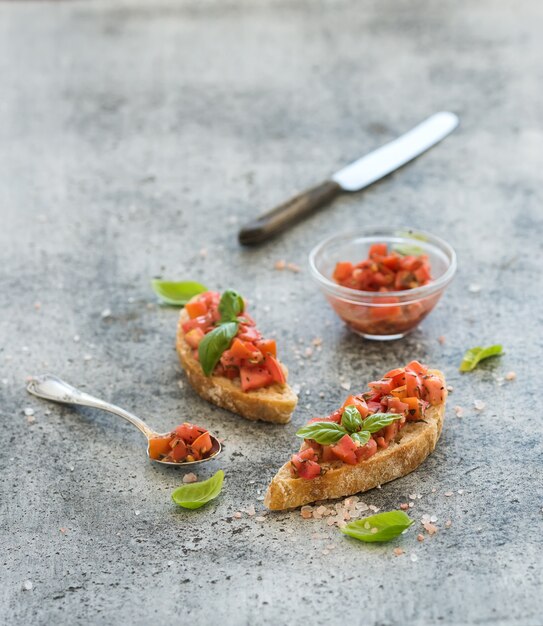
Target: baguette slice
275	403
410	448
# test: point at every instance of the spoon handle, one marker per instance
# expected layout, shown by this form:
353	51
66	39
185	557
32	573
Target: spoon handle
55	389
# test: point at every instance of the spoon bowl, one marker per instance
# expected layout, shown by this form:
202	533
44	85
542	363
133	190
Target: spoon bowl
52	388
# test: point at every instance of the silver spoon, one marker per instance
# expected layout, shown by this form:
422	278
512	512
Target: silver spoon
52	388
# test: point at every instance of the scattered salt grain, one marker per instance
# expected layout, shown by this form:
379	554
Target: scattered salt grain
420	537
430	528
29	412
459	411
398	551
260	518
105	314
308	352
510	376
203	253
237	515
280	265
460	491
137	512
27	585
479	405
448	494
433	518
325	552
411	505
474	288
448	523
293	267
441	339
412	496
190	478
404	506
251	510
345	385
374	508
414	558
450	388
4	381
76	338
87	357
317	341
25	349
306	512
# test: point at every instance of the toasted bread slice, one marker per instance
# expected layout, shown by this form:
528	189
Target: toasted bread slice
412	445
270	404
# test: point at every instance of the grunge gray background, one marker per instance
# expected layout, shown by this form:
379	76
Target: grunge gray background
136	137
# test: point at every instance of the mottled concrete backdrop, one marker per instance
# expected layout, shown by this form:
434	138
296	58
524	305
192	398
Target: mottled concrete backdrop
135	138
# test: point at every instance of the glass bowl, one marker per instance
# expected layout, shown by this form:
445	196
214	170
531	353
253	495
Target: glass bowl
382	315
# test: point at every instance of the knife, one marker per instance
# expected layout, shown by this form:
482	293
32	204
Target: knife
356	176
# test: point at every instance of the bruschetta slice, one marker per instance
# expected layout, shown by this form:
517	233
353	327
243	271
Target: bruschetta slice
229	362
375	437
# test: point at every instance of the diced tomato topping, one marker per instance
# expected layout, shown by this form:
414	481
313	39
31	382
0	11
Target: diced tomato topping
343	270
202	444
159	446
267	346
178	450
254	378
228	359
415	366
304	464
194	336
364	452
203	322
395	405
196	308
415	409
433	391
188	432
412	384
274	368
399	392
359	403
396	372
245	350
378	249
385	312
248	333
345	450
381	387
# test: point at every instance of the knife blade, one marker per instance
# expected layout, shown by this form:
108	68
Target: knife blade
354	177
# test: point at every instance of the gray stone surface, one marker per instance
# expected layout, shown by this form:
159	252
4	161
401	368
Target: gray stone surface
134	135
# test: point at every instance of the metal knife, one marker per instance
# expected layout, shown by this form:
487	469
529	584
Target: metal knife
354	177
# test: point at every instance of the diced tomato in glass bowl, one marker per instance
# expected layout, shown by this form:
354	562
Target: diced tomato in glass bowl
382	283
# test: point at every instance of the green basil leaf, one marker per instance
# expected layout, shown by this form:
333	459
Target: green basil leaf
325	433
473	356
230	306
195	495
212	346
362	437
376	421
351	419
177	294
380	527
407	250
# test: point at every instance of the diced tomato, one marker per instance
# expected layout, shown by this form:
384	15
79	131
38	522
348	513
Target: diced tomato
343	270
381	443
412	384
202	444
254	377
211	298
391	431
267	346
188	432
194	336
159	446
422	274
248	333
415	366
385	312
364	452
433	389
416	408
228	359
395	405
378	249
178	451
359	403
392	262
320	419
398	380
399	392
345	450
305	464
196	308
327	454
274	368
245	350
203	322
381	387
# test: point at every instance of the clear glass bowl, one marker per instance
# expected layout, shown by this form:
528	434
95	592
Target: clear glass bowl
382	315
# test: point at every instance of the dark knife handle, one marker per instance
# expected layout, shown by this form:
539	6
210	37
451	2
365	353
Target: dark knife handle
284	215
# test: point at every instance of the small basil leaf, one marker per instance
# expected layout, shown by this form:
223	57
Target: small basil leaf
325	433
473	356
212	346
176	294
230	306
380	527
376	421
351	419
195	495
407	250
362	437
